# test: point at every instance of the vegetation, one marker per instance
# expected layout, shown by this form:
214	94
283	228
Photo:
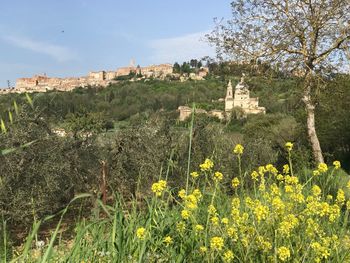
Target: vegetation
308	37
261	215
133	128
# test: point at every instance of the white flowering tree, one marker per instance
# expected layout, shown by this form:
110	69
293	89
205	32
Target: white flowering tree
309	37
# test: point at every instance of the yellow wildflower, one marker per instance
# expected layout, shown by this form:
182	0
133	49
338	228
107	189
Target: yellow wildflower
203	250
336	164
215	220
159	187
182	193
280	177
283	253
289	146
185	214
141	233
194	174
235	182
211	210
207	165
316	190
191	202
322	167
199	228
228	256
340	197
254	175
262	170
238	149
216	243
271	169
197	193
232	233
224	220
218	176
286	169
168	240
315	172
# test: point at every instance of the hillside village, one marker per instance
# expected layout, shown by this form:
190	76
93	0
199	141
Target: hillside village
43	83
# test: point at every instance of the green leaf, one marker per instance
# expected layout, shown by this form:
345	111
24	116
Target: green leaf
29	99
15	106
10	117
3	127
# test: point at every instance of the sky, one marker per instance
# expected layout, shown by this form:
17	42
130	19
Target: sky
67	38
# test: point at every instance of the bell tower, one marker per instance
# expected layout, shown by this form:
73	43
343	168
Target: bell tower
229	98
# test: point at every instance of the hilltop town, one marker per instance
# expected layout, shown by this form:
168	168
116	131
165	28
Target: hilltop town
43	83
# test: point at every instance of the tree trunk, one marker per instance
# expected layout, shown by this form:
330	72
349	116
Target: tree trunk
311	129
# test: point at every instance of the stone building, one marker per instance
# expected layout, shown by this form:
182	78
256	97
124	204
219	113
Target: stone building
241	99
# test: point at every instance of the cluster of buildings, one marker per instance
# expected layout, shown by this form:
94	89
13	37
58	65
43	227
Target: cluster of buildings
239	99
43	83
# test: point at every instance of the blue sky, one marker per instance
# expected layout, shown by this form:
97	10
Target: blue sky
65	38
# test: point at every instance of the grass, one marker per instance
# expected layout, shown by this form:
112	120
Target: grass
266	215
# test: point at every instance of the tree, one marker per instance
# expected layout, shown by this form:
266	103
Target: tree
193	63
176	67
309	36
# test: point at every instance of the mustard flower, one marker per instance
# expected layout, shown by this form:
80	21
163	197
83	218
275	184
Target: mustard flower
232	233
216	243
260	211
235	182
203	250
211	210
197	193
224	220
207	165
238	149
262	170
159	187
336	164
185	214
218	176
228	256
340	197
280	177
283	253
199	228
316	173
289	146
271	169
168	240
215	220
182	193
316	190
194	175
141	233
254	175
322	167
286	169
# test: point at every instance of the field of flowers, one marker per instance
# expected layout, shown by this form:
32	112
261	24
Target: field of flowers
266	215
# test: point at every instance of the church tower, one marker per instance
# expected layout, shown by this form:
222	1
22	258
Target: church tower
229	98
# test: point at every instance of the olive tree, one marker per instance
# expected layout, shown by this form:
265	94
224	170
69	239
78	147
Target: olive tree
309	37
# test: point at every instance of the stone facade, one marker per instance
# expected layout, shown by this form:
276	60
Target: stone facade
241	99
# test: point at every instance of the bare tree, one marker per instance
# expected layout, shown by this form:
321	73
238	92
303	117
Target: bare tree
308	36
